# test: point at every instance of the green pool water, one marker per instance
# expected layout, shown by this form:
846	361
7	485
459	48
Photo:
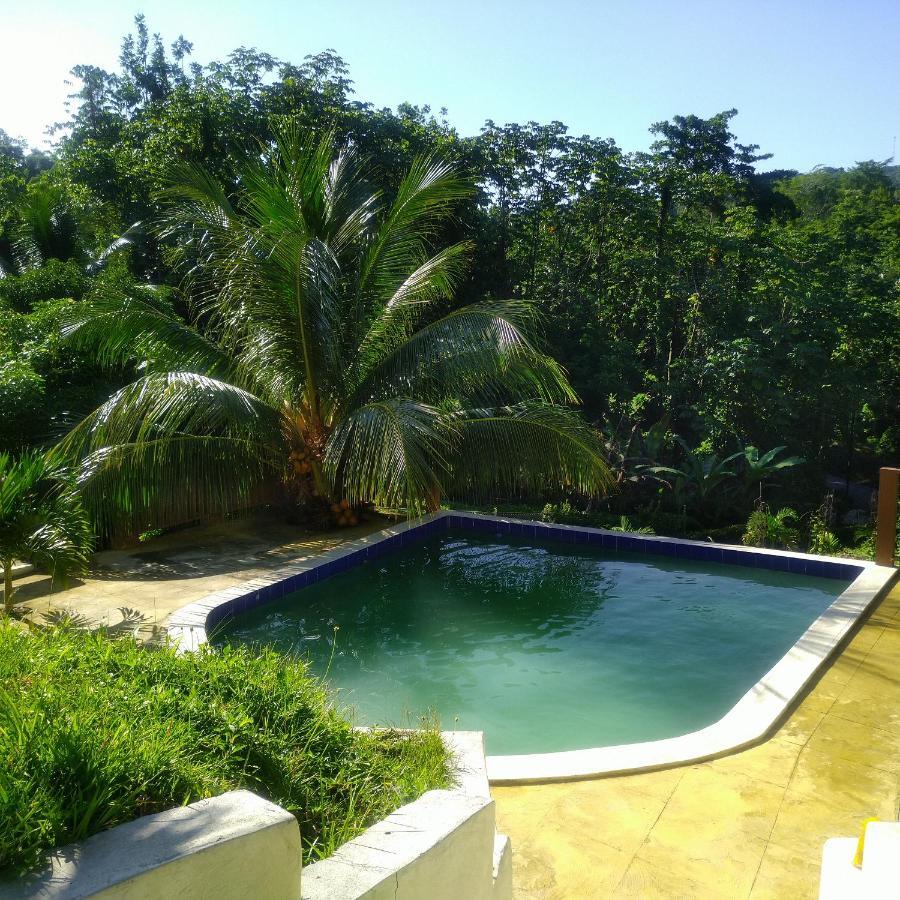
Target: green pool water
544	647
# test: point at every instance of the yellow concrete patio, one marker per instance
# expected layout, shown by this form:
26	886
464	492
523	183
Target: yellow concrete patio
751	824
136	589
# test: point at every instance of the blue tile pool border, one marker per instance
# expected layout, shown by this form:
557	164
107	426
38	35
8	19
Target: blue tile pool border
190	625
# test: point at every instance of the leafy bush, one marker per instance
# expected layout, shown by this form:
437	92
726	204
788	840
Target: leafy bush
821	539
42	520
21	403
39	360
565	513
626	525
51	281
859	542
95	732
766	529
562	513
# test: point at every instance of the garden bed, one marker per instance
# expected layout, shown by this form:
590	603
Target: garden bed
95	732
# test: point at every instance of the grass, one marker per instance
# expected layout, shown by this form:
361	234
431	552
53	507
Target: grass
96	732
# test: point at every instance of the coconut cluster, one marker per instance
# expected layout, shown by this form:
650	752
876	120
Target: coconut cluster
301	460
344	514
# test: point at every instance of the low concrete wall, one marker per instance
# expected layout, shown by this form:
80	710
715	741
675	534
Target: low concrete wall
442	846
230	847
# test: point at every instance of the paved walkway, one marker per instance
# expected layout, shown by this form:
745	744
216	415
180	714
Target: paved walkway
136	589
748	825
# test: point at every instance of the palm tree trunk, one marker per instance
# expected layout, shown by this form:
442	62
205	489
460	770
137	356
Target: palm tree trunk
7	586
319	479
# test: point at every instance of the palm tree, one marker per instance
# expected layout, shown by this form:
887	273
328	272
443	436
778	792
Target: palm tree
315	362
42	520
46	226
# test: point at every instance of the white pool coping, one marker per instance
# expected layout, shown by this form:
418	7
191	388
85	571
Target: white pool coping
750	720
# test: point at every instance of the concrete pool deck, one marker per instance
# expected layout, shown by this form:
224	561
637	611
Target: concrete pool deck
750	824
136	589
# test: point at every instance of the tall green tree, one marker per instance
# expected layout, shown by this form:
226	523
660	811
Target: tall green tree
313	364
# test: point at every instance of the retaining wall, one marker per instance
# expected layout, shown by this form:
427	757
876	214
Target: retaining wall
238	845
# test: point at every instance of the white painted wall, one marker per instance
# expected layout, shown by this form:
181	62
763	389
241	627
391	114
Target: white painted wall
443	846
440	847
878	878
231	847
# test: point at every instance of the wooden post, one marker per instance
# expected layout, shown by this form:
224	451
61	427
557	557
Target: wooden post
886	522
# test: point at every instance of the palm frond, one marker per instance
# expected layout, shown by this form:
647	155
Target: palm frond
393	453
528	449
42	519
122	242
399	245
119	329
433	280
262	273
478	354
169	405
177	443
191	188
351	203
153	483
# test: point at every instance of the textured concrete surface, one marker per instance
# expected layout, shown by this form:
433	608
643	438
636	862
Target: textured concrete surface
752	824
230	847
138	588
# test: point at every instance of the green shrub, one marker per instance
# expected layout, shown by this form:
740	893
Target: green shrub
69	382
21	403
821	539
625	524
561	513
51	281
766	529
95	732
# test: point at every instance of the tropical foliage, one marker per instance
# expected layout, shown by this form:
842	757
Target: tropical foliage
41	519
318	354
688	291
768	529
96	732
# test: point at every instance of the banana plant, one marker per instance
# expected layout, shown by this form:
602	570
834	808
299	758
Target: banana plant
698	478
757	468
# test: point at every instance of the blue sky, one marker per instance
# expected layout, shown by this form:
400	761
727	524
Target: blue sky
815	82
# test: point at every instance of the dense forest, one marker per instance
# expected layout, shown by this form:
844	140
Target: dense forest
733	332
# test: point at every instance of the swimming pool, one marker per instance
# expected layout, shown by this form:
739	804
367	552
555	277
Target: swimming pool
576	651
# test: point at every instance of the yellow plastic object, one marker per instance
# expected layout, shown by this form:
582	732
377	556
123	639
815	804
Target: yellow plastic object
860	844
